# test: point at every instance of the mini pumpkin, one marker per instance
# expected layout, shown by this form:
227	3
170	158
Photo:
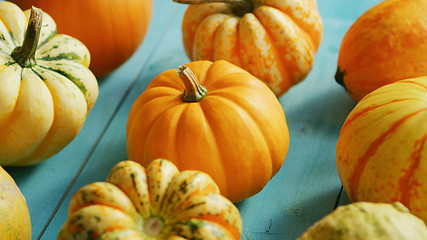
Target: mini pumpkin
46	88
214	117
15	222
387	43
366	220
157	202
274	40
381	153
111	30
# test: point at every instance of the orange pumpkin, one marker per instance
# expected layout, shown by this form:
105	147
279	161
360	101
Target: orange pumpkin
111	30
274	40
230	125
381	153
385	44
15	220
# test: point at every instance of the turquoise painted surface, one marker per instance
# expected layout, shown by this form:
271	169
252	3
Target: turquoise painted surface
306	188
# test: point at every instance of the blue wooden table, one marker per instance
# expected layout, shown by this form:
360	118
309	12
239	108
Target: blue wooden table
305	189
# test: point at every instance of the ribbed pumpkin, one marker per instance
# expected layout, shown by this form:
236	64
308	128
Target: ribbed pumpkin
385	44
111	30
274	40
15	220
46	89
366	220
214	117
158	202
381	153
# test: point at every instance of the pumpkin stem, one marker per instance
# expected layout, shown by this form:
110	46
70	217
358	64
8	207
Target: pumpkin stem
239	7
25	54
339	77
194	91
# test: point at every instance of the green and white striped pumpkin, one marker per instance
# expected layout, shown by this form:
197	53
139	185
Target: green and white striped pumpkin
46	88
158	202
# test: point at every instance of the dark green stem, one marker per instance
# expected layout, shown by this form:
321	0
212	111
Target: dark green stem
194	91
239	7
25	54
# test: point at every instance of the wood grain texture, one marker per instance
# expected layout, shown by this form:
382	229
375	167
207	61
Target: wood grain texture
305	189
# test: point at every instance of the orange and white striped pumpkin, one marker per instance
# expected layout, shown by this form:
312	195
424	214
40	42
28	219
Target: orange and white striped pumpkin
274	40
381	153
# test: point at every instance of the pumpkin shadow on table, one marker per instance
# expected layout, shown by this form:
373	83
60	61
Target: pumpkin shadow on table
325	110
21	173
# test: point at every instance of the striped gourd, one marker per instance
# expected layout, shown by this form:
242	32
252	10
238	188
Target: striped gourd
381	153
158	202
46	88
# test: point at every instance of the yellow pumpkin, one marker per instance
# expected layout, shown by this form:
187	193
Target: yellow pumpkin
158	202
46	88
214	117
274	40
387	43
15	220
381	153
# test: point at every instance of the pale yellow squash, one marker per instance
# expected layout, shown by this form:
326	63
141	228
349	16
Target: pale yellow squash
46	88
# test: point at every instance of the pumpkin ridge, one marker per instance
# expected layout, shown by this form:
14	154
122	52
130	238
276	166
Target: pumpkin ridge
410	81
256	68
301	55
12	37
9	43
62	56
37	74
52	34
280	58
296	23
363	160
224	189
406	182
156	96
226	49
354	117
70	77
250	116
176	110
132	120
138	193
248	113
302	23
